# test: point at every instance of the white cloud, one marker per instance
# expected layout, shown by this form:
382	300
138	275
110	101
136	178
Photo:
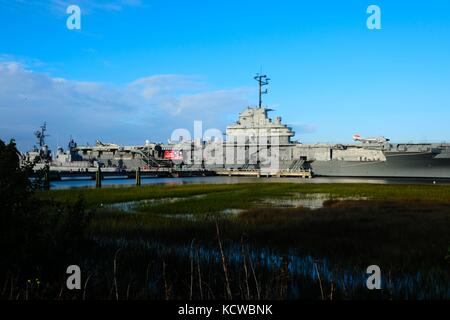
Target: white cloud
197	102
147	108
148	87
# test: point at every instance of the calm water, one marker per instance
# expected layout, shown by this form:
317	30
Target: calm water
81	183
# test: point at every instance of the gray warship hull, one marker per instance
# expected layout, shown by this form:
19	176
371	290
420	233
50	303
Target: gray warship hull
395	165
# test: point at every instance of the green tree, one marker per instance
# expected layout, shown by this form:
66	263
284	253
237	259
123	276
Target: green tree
37	238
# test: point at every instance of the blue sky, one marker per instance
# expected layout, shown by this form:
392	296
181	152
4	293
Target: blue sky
138	70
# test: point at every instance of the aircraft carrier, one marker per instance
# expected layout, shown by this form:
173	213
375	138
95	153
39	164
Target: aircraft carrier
367	157
372	157
250	142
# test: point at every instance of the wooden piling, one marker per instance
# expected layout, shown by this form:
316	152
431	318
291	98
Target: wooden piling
47	177
98	178
138	176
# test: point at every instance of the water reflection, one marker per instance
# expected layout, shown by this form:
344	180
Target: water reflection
429	284
67	184
310	201
137	205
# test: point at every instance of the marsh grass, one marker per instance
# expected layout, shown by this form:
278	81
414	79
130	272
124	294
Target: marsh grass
373	191
400	222
402	228
96	197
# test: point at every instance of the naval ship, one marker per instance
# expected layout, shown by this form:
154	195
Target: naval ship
366	157
109	157
430	160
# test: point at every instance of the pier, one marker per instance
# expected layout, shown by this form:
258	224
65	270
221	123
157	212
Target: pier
104	173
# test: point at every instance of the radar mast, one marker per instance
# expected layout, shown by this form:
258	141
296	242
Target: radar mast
40	135
262	80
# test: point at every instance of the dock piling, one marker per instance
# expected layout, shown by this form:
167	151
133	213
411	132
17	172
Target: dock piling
138	176
47	177
98	178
